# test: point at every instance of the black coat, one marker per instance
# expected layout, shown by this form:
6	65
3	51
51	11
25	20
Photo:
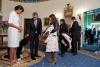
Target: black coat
63	28
32	30
75	29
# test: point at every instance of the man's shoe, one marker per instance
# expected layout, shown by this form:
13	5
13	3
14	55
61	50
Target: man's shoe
62	55
18	57
33	58
74	54
37	56
6	56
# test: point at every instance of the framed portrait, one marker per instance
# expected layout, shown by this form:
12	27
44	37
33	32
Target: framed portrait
68	10
46	21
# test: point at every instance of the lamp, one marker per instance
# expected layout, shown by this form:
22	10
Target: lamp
80	12
59	15
79	17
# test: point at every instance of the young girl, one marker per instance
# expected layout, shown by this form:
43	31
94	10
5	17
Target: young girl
65	41
52	40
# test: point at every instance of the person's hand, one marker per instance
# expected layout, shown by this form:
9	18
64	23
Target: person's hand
26	35
20	29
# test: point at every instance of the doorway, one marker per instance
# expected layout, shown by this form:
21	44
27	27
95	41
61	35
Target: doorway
26	25
91	21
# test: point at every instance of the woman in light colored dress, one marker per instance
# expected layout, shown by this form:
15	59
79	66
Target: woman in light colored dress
52	40
14	31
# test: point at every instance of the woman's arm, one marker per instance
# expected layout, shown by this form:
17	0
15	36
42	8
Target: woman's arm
11	21
14	26
56	27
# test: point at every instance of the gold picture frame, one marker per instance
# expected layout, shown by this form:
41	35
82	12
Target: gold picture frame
46	21
68	11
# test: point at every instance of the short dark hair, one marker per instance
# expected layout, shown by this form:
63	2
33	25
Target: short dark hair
62	20
34	13
73	18
19	7
53	17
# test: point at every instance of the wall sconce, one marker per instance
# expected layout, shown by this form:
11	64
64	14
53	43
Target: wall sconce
79	17
59	15
80	12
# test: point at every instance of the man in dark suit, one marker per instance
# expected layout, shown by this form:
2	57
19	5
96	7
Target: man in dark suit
34	30
79	37
74	30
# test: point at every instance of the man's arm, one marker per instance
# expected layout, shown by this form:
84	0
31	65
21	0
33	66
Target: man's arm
40	31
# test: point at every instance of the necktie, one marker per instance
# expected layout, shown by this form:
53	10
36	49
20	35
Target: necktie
35	22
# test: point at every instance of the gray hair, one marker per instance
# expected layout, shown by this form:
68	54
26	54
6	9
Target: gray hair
34	13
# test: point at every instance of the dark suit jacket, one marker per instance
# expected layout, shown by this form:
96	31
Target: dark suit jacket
74	30
32	30
63	28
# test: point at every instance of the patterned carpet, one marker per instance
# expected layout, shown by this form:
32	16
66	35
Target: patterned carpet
23	63
69	60
83	59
